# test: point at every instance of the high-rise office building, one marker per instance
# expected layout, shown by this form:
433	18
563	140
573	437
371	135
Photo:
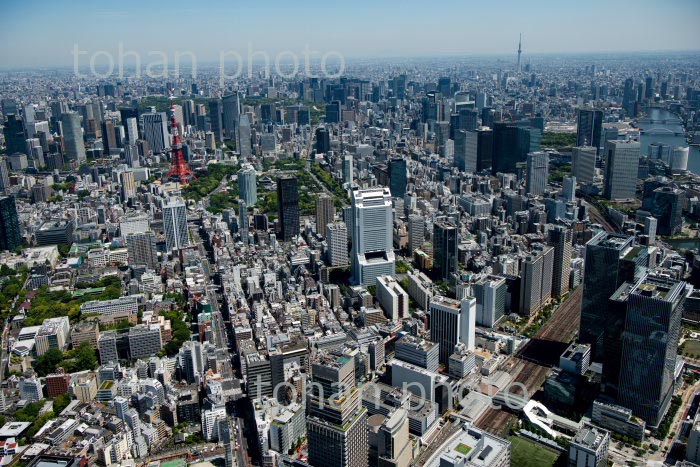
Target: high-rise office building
537	173
73	137
621	168
649	346
247	184
649	87
15	134
416	232
610	260
128	184
325	213
512	144
141	248
336	422
288	207
589	128
445	241
468	119
666	204
372	235
231	114
531	280
568	188
583	164
452	322
244	139
490	293
10	233
348	169
419	352
217	126
560	238
4	174
155	131
397	176
175	224
629	100
243	223
389	442
337	238
323	140
109	137
465	150
132	129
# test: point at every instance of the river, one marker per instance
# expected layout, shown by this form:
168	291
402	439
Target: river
667	133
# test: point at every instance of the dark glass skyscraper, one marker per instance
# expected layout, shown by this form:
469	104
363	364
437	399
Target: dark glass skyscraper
611	259
231	114
323	140
333	112
445	248
600	280
649	345
511	144
397	177
288	206
590	126
215	119
468	119
10	234
15	137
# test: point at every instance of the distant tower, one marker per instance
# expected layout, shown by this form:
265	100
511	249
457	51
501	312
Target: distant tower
178	167
520	50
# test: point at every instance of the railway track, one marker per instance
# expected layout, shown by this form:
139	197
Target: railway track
561	328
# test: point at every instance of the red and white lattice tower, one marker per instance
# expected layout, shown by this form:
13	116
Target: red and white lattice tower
178	166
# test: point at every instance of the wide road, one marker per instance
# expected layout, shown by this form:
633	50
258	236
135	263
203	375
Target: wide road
527	368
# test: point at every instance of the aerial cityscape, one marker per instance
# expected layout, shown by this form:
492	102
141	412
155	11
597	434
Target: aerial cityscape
452	234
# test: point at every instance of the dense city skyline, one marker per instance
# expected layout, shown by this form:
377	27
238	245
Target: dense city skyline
447	234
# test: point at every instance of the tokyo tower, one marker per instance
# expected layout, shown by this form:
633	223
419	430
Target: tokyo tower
178	166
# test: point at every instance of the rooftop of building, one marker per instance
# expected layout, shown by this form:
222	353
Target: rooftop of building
611	240
473	445
590	437
417	342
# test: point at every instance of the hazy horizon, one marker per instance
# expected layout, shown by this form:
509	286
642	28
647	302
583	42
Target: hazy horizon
42	34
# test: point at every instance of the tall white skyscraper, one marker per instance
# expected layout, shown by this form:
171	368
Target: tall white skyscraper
537	172
372	248
621	168
155	131
175	223
247	184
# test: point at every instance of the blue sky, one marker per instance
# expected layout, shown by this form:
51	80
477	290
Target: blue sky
43	32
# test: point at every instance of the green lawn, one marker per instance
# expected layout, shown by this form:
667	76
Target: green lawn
690	347
526	453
